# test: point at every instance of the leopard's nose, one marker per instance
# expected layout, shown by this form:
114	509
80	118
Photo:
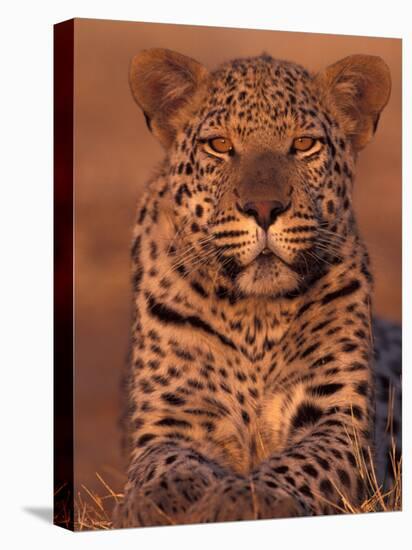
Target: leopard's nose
264	212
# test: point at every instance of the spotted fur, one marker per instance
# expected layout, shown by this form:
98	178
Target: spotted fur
252	343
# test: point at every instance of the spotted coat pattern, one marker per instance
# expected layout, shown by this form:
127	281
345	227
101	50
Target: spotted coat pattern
250	369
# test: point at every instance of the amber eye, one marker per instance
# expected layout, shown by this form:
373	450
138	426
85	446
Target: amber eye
303	143
221	145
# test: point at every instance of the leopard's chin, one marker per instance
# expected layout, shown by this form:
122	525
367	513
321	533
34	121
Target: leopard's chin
267	275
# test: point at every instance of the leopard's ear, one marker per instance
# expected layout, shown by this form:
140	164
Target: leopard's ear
357	88
164	84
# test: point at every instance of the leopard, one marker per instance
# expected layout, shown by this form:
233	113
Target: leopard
257	373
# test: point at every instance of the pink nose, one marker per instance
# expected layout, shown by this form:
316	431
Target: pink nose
264	212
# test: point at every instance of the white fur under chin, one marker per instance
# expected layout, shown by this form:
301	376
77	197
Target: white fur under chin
258	280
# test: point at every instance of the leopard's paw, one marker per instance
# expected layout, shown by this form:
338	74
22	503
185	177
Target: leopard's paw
239	499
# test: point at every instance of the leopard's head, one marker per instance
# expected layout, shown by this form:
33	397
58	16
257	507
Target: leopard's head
260	159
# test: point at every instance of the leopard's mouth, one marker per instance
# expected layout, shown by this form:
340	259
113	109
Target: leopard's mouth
266	273
267	257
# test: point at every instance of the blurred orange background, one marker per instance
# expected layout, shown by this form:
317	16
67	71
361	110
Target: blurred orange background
114	156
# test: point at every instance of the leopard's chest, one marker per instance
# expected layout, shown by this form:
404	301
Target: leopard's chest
259	414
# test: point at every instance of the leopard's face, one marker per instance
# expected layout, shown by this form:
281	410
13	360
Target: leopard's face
260	160
262	176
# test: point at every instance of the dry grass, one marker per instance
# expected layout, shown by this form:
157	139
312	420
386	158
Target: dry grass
93	511
377	499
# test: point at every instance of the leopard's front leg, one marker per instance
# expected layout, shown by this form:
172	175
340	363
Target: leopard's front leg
323	396
174	459
321	467
163	484
182	427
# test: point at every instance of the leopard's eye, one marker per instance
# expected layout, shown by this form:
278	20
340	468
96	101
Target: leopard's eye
221	145
303	143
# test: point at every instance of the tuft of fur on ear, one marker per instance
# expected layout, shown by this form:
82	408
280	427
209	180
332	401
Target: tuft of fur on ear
357	88
164	84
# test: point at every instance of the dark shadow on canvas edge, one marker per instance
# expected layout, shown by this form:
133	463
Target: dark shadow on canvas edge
42	512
